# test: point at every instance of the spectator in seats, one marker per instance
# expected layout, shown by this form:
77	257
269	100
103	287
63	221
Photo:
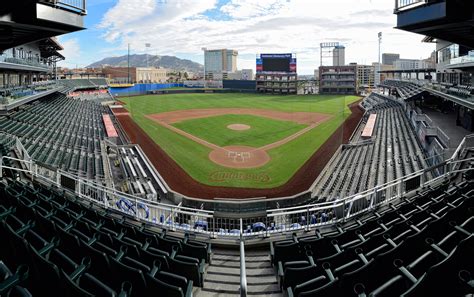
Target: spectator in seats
324	217
302	220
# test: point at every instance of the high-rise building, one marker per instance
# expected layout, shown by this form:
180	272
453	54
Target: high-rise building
339	56
365	76
219	62
389	59
410	64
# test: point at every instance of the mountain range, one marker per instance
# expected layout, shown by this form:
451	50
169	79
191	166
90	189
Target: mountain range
169	62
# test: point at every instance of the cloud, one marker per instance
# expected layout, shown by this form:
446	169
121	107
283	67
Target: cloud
72	50
244	9
251	27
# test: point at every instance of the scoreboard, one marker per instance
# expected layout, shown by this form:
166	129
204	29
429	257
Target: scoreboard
276	63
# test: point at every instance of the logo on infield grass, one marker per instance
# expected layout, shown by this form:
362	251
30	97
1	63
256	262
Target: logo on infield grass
222	176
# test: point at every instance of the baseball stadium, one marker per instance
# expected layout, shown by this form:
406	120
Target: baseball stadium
152	175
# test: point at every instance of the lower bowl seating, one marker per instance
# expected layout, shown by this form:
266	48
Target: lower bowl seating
60	247
408	249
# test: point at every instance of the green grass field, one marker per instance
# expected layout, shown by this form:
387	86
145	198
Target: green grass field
263	130
193	157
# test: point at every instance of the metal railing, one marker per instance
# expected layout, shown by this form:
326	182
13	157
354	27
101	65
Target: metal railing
407	4
243	272
78	6
209	224
7	57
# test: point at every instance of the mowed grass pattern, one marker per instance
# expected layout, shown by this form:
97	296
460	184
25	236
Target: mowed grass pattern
262	130
286	159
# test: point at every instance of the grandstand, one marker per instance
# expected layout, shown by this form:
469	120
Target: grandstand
84	83
404	89
83	212
392	152
63	133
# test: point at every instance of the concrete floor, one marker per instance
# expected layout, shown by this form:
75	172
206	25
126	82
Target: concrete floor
447	123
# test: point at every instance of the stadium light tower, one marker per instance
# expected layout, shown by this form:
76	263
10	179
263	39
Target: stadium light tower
379	64
204	50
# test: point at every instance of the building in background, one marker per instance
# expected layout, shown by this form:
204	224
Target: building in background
409	64
389	59
383	76
244	74
339	56
276	73
120	75
316	74
365	77
219	62
338	80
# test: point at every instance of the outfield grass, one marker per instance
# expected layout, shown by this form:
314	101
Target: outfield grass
263	131
193	157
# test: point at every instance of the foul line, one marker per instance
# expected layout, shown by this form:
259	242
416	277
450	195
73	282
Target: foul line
216	147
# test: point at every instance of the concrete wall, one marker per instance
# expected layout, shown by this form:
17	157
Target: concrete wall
240	84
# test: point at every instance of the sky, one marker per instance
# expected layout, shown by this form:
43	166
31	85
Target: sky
183	27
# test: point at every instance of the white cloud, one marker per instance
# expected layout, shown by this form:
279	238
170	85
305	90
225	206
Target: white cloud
241	9
72	50
253	27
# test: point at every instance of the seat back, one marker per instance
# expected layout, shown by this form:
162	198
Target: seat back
286	252
298	275
189	270
165	289
121	272
93	285
195	251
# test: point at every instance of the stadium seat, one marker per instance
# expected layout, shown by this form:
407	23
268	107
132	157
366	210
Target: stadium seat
191	271
450	277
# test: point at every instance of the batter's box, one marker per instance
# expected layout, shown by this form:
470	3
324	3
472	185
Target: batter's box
239	157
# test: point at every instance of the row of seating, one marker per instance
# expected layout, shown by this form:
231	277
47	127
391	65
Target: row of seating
394	152
84	83
400	250
62	132
72	249
405	89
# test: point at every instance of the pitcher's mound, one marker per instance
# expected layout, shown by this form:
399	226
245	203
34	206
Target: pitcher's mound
238	127
239	157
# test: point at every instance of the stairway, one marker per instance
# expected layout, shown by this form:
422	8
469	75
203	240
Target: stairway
223	275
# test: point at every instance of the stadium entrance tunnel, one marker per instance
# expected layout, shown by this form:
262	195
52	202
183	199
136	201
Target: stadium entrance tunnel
239	157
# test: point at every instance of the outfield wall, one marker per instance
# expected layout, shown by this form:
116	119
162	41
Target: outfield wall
247	85
141	89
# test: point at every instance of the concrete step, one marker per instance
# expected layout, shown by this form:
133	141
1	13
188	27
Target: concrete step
206	293
236	278
236	271
234	288
236	258
225	252
252	253
236	264
220	257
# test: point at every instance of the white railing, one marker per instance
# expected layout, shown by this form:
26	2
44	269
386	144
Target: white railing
209	224
243	272
79	6
407	4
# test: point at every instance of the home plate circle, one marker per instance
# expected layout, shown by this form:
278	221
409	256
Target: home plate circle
238	127
239	157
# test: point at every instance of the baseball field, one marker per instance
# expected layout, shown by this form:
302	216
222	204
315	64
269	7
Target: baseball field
239	140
